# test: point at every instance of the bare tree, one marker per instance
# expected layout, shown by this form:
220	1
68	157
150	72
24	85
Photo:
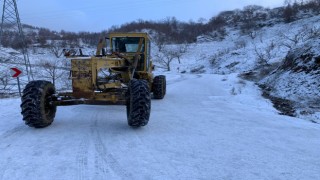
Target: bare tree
166	55
291	39
5	86
56	48
288	13
180	51
250	18
160	40
165	58
52	69
313	32
264	56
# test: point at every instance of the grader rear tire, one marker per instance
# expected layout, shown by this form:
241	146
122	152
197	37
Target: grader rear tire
159	87
138	103
36	108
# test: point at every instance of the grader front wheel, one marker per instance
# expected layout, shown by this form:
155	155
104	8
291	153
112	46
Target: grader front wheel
138	103
159	87
36	108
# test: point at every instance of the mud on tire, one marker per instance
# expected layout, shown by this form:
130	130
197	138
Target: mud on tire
159	87
138	103
35	104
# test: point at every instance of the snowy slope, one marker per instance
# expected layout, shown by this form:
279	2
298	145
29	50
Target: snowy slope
271	42
262	52
207	127
297	78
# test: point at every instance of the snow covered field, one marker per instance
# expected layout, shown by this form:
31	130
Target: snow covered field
207	127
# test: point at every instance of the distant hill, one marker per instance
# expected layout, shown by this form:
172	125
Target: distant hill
173	31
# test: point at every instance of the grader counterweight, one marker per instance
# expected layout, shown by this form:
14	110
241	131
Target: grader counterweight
123	77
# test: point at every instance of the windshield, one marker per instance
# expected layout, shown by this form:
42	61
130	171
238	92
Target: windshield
126	44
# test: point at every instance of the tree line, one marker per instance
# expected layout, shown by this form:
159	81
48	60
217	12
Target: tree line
171	30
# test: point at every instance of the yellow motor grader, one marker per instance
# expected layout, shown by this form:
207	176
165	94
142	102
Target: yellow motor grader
123	76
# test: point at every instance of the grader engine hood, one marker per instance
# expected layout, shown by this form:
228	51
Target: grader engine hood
84	73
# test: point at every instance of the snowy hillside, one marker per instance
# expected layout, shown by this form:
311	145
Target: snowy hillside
297	79
259	54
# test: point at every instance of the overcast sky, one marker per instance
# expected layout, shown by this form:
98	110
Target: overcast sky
98	15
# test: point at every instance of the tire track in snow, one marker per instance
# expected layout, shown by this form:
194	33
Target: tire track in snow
5	140
104	163
82	159
105	158
175	80
12	132
76	109
82	156
99	161
139	142
182	78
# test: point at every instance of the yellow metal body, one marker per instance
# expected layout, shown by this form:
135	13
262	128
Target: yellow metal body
87	81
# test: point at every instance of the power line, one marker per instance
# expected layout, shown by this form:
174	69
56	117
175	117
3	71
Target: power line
10	21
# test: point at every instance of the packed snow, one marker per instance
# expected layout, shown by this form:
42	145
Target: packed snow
207	127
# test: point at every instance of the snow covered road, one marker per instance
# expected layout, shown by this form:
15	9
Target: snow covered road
207	127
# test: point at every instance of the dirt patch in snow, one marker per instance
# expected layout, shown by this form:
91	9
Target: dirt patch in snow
285	106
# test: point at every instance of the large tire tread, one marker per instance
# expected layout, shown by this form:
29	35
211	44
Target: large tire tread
35	109
159	87
138	103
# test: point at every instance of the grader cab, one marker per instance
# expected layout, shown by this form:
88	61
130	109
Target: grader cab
121	77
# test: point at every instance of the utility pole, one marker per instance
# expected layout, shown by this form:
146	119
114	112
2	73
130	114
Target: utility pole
11	25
